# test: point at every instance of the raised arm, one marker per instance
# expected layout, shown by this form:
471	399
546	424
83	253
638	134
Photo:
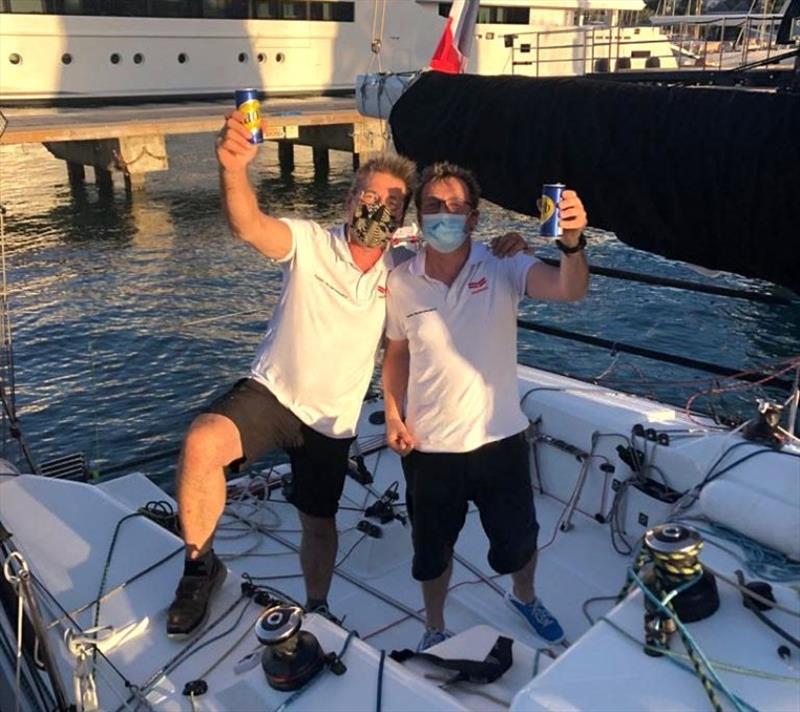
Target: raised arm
395	385
271	237
570	280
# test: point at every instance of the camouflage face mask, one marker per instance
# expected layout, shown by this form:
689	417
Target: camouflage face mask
373	225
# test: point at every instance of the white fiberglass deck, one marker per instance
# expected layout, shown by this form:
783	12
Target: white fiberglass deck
65	531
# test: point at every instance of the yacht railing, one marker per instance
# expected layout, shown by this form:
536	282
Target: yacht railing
707	38
710	43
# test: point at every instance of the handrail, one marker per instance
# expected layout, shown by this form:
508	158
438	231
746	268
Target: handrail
615	39
621	347
681	284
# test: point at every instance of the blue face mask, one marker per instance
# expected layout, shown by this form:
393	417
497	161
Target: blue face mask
444	232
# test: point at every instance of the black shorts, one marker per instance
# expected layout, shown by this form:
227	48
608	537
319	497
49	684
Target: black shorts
319	463
439	487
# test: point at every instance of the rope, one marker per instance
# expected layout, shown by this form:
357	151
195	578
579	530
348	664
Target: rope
106	567
379	701
696	655
376	43
69	615
183	654
688	643
719	664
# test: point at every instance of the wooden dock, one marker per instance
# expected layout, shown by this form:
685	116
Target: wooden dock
131	138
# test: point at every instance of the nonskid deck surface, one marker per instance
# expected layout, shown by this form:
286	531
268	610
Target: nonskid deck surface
375	595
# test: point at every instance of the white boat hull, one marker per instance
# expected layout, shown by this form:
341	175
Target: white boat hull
69	58
65	530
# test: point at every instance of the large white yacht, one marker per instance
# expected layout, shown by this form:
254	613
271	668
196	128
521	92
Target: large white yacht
84	50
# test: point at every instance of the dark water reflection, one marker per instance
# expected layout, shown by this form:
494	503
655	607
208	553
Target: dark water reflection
129	313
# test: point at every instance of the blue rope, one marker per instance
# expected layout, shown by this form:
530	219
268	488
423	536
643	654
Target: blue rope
761	560
737	703
380	681
681	665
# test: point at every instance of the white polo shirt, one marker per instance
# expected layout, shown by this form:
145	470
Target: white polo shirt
462	390
318	354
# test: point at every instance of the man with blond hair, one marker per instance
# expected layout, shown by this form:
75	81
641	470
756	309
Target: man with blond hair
309	377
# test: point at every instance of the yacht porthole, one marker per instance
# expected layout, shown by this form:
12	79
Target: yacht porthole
115	58
242	57
14	58
138	58
280	57
66	58
261	57
183	58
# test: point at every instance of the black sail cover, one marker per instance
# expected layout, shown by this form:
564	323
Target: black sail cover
710	176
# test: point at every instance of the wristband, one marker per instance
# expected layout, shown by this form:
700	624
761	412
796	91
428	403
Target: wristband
572	250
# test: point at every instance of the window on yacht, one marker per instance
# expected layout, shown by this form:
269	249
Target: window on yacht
130	8
304	10
319	10
596	17
174	8
26	6
629	18
225	9
495	14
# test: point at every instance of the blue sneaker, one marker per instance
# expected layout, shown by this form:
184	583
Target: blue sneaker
538	617
431	637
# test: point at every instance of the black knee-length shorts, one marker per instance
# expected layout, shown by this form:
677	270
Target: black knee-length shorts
439	487
319	462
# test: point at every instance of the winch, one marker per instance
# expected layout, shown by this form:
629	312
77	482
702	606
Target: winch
674	550
291	656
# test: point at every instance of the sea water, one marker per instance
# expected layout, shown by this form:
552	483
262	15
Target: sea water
128	313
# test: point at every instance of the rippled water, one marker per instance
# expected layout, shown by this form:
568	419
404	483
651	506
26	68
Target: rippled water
128	314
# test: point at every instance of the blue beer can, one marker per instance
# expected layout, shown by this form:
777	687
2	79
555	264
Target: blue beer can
247	102
550	215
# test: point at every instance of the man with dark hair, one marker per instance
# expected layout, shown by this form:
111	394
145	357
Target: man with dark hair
305	387
450	389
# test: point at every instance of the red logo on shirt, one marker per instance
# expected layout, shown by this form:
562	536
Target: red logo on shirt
382	292
480	286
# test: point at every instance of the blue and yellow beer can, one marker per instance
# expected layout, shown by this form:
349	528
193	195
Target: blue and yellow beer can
247	102
550	215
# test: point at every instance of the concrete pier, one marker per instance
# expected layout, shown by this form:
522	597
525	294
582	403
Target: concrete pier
130	140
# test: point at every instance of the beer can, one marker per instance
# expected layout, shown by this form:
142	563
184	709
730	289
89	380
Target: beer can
550	215
247	102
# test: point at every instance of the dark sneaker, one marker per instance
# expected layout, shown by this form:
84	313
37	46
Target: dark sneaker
189	611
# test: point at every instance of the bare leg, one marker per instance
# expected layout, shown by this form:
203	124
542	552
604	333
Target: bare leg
318	554
212	442
434	593
523	581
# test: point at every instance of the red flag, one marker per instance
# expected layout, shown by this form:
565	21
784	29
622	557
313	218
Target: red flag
452	52
447	58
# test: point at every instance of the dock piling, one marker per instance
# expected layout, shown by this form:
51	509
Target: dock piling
322	162
286	156
76	173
